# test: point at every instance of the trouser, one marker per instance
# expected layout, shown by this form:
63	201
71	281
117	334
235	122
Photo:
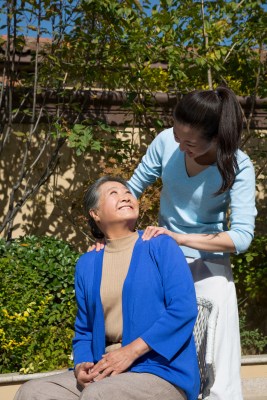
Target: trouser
126	386
213	279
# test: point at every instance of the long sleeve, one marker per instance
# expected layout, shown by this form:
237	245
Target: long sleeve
82	341
242	207
173	329
149	169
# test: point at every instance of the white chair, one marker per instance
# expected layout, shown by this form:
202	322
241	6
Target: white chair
204	334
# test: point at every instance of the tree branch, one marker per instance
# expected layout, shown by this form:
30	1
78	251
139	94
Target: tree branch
254	95
206	44
12	211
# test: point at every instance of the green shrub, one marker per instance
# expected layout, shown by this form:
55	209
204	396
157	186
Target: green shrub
250	271
252	340
250	275
37	304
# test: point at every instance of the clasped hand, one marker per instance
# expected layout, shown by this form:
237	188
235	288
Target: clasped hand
112	363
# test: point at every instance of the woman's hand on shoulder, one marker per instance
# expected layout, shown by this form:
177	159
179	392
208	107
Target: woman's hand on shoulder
98	245
154	231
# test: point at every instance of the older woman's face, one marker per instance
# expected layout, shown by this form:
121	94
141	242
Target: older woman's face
116	203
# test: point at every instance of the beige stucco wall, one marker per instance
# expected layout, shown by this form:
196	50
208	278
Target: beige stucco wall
52	210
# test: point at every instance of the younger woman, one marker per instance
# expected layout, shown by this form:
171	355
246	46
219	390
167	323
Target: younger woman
206	178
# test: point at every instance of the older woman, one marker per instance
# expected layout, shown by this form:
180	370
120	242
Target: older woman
136	312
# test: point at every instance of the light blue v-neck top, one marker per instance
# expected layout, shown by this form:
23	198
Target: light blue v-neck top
188	204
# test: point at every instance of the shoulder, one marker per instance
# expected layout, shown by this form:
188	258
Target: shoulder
167	134
85	262
163	244
169	259
156	241
164	137
245	171
159	241
243	160
164	143
162	239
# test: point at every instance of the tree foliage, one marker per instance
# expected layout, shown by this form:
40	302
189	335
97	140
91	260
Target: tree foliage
113	45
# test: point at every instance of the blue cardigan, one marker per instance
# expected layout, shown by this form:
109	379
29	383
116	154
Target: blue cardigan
158	305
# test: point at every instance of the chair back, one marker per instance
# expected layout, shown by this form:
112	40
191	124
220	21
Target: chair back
204	334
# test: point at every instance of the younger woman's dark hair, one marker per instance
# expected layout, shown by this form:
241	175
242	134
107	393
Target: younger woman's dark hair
91	199
216	114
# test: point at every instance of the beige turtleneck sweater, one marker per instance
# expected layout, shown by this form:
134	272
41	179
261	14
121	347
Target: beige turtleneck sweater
116	261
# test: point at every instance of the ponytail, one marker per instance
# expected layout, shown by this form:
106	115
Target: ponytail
228	137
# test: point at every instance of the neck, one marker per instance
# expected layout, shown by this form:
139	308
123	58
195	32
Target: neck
117	232
207	159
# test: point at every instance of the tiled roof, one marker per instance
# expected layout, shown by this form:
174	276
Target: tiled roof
23	54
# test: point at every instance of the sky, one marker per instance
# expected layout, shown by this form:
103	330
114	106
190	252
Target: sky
46	25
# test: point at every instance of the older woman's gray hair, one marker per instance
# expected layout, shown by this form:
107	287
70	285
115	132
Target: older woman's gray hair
91	199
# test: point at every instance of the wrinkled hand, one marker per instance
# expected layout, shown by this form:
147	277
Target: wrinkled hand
99	245
114	363
83	373
154	231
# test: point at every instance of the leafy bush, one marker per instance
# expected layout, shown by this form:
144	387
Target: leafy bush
37	304
250	271
252	340
250	275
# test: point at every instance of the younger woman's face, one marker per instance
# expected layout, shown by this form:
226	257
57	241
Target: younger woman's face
192	142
